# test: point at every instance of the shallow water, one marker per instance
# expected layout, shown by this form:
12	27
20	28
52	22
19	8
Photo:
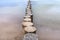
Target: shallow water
46	17
11	17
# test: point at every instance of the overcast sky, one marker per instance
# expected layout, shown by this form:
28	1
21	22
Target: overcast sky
23	2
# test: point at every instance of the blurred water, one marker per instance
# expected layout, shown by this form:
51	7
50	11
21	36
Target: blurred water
11	17
46	15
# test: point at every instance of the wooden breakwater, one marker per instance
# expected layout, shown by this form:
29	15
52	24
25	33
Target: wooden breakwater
28	26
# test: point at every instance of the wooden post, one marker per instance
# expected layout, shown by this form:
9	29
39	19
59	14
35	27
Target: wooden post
30	36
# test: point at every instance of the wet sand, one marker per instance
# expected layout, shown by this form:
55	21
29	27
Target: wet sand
10	23
11	29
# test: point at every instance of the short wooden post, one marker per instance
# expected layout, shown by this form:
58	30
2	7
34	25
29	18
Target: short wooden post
30	36
25	24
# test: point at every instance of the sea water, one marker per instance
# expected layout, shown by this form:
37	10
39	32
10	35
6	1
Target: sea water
46	16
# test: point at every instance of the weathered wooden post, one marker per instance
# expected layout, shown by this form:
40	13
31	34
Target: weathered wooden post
30	36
